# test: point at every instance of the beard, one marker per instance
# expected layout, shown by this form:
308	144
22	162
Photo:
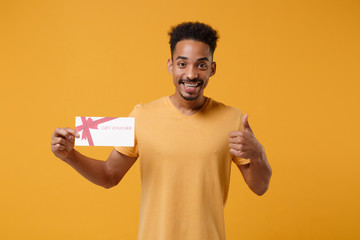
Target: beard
189	98
200	82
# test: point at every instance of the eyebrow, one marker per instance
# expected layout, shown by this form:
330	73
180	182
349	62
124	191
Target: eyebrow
181	57
203	59
199	59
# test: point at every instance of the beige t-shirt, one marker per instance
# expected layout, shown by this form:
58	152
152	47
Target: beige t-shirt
185	169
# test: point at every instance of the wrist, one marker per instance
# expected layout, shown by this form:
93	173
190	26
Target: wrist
260	155
71	156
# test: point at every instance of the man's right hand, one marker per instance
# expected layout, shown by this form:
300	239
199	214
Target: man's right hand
103	173
62	143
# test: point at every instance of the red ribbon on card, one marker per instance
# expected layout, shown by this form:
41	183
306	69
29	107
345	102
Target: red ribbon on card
89	123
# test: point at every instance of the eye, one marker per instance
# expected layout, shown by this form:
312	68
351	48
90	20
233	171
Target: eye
181	64
203	66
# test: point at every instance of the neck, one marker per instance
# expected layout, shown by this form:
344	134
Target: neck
186	107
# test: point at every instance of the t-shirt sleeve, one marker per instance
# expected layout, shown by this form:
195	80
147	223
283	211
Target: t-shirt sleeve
131	151
237	160
240	161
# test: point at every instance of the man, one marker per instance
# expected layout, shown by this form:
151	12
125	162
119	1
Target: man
186	143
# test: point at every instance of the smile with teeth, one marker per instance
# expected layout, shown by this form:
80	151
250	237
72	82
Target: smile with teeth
191	87
191	84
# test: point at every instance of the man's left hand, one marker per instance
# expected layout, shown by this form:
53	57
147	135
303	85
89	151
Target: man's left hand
243	144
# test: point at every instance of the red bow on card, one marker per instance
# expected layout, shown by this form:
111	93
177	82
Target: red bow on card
89	123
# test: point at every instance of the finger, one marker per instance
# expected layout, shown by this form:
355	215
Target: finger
239	154
61	132
238	147
58	140
70	139
237	140
73	132
65	133
236	134
58	148
245	123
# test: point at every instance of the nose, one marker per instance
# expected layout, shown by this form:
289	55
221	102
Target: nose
191	73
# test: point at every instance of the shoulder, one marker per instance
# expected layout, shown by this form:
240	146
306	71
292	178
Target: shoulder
223	108
152	106
224	115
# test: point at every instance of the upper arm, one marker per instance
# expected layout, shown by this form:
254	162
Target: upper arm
117	165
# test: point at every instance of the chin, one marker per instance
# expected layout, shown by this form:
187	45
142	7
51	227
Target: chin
189	98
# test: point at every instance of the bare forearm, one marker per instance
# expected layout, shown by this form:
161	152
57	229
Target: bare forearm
92	169
257	174
104	173
243	144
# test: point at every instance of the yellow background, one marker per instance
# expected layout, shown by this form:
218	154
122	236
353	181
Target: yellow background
292	65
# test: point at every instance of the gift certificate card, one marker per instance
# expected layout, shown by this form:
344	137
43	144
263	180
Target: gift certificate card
105	131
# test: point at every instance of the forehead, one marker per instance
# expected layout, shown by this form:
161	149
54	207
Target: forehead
191	49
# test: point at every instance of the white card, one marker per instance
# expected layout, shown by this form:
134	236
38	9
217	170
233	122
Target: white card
105	131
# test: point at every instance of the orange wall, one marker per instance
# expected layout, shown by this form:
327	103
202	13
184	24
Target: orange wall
292	65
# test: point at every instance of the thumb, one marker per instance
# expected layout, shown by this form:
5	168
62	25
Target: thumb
71	139
245	122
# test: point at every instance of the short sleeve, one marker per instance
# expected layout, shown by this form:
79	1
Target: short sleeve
237	160
240	161
131	151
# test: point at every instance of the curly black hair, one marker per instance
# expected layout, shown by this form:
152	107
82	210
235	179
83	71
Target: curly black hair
194	31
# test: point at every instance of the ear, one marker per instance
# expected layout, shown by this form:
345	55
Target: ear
170	66
213	69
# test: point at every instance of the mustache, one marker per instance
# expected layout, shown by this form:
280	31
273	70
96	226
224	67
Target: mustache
195	80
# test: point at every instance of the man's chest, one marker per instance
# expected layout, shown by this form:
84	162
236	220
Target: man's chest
189	138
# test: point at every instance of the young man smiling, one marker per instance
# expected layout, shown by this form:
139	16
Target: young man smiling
186	143
191	66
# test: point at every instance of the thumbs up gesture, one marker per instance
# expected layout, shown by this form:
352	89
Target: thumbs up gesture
243	143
